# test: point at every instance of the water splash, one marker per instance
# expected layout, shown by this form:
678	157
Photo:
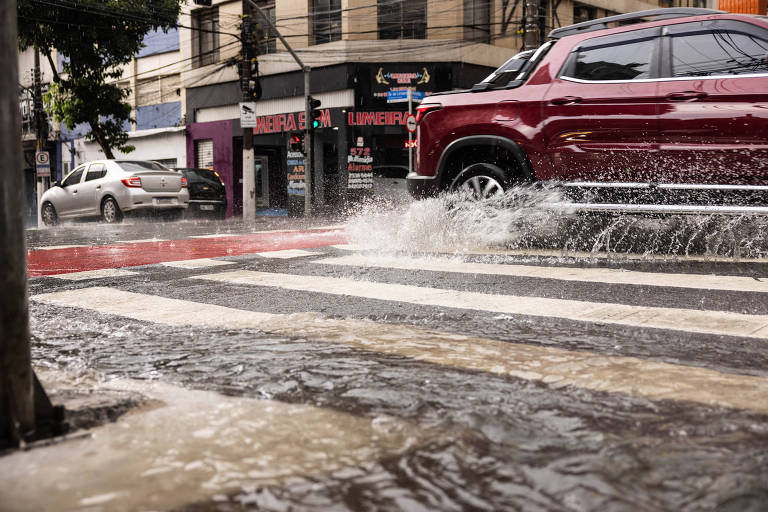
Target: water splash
524	219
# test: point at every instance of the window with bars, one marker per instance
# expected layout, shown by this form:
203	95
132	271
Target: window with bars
205	25
402	19
477	20
326	21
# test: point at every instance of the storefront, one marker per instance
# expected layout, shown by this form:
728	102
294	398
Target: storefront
362	131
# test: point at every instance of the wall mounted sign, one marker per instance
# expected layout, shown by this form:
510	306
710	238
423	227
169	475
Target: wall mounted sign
360	168
296	173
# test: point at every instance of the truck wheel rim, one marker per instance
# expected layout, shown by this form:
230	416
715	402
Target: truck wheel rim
482	187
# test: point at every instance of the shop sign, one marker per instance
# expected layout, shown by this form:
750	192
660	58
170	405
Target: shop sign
360	168
296	173
391	82
277	123
387	118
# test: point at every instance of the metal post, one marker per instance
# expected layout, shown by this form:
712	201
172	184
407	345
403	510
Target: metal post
41	128
17	414
308	148
308	135
410	135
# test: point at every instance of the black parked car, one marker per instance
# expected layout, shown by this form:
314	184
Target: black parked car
207	196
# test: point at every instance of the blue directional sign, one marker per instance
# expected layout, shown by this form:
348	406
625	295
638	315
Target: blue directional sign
397	96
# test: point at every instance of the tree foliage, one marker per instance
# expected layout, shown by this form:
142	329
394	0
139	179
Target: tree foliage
97	38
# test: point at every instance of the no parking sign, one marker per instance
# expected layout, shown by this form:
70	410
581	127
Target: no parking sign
43	164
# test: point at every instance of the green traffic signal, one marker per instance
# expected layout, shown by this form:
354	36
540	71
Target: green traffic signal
314	111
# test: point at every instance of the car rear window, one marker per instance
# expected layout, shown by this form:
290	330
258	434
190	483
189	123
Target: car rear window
140	165
201	176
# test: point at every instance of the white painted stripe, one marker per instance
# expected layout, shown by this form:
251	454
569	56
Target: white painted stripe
217	235
93	274
691	320
199	263
53	247
593	275
560	254
288	253
629	375
141	241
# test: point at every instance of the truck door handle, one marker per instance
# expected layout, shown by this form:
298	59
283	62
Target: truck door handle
565	100
686	96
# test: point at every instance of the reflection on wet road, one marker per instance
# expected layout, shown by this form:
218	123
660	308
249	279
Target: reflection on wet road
350	377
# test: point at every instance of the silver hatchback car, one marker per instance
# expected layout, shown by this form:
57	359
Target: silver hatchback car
108	188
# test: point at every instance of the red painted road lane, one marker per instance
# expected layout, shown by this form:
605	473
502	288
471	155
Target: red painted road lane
79	259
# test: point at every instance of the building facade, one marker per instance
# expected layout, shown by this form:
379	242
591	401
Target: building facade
364	55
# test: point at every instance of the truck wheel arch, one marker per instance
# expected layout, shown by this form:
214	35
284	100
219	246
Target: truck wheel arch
484	148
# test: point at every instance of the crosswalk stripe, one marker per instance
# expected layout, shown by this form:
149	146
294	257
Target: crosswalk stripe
690	320
553	366
198	263
288	254
562	253
94	274
592	275
54	247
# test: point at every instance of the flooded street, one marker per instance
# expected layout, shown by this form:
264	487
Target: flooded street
430	356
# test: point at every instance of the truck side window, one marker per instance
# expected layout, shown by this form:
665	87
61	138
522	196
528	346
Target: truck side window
628	56
712	49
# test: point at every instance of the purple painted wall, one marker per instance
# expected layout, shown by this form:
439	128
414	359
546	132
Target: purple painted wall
221	134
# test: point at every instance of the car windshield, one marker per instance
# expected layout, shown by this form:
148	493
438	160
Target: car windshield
509	70
140	165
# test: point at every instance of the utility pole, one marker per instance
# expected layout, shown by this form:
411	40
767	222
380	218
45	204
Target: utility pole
308	136
249	176
41	129
531	25
17	414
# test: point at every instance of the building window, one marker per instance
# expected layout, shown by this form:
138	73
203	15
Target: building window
266	38
477	20
583	12
205	26
326	20
400	19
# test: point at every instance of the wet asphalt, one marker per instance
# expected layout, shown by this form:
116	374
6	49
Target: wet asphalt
504	442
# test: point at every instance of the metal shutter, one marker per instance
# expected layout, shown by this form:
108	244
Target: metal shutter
204	153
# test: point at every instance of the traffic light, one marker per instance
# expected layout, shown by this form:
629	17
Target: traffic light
296	141
314	112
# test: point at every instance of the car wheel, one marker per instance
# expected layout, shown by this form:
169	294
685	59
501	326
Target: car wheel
49	215
110	212
481	181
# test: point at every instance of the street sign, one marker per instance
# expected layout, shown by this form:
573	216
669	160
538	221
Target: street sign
43	164
248	114
401	95
410	123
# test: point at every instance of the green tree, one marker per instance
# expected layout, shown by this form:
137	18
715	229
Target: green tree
96	37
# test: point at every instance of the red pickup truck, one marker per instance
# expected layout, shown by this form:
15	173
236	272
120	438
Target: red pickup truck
624	113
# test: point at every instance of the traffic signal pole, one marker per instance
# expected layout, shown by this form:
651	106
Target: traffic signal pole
308	138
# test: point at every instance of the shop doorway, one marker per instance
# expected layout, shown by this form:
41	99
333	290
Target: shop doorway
331	176
271	177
